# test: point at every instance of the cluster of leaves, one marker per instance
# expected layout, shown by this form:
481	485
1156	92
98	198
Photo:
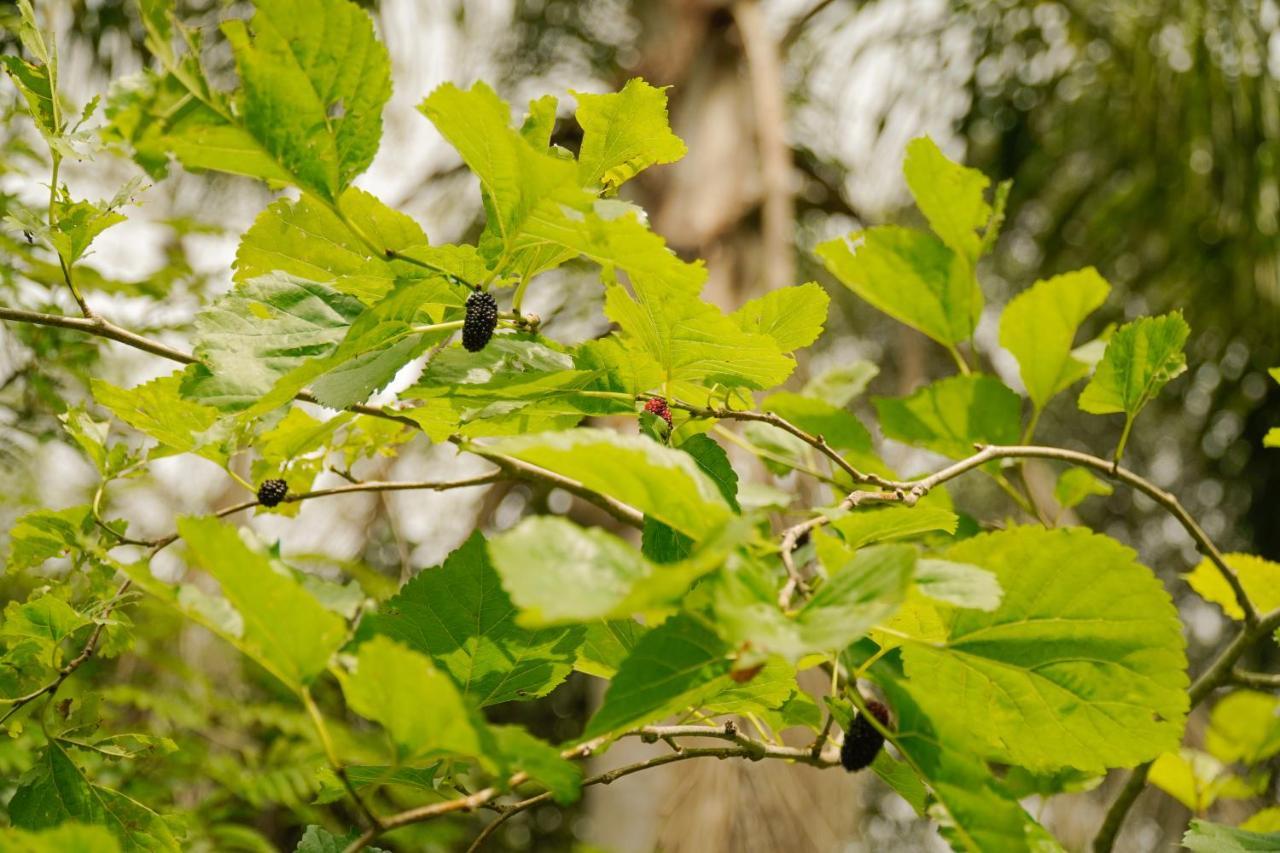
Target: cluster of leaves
1021	659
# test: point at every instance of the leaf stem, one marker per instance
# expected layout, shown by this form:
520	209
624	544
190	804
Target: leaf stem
326	741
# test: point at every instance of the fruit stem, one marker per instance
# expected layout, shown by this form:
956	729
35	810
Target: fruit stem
450	326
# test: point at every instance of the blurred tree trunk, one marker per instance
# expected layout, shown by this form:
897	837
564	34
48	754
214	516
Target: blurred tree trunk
728	201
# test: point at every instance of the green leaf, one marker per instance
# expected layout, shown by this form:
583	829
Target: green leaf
607	644
865	526
515	176
960	584
1260	579
158	115
977	814
951	415
1205	837
714	462
838	386
1039	326
254	335
1267	820
623	134
307	240
1082	665
693	342
949	195
315	79
1076	484
45	534
293	634
841	429
415	702
69	837
76	224
912	277
664	483
317	839
365	776
768	690
514	385
674	666
899	776
378	344
55	791
540	121
792	316
1244	727
1197	779
859	593
459	615
91	436
157	409
608	232
46	619
297	434
559	572
1141	358
34	83
541	761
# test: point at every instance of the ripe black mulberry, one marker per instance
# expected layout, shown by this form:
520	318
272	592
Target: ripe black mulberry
862	743
481	320
658	406
271	492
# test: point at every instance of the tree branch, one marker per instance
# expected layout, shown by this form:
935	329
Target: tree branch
351	488
743	747
818	442
96	325
910	491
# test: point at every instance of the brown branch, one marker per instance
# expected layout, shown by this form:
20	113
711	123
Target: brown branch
742	747
522	470
96	325
351	488
818	442
910	491
514	467
801	24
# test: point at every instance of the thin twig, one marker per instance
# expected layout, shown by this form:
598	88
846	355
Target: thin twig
816	441
514	467
742	747
326	742
350	488
96	325
910	491
1255	680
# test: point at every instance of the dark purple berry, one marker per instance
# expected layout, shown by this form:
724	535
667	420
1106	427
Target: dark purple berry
862	743
481	320
271	492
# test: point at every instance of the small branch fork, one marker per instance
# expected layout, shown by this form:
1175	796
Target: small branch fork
1221	672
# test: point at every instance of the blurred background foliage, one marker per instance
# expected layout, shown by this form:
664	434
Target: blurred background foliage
1142	137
